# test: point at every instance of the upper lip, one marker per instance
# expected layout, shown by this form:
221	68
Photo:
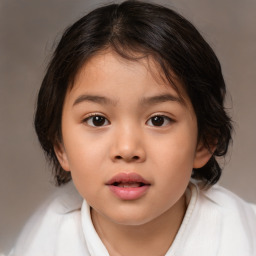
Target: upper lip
131	177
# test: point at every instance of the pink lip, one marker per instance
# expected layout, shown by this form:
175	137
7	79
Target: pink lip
128	186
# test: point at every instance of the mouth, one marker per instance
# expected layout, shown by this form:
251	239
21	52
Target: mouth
128	186
128	180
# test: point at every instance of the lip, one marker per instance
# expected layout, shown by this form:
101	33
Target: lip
128	186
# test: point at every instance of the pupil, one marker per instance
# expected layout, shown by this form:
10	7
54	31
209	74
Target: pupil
98	120
157	120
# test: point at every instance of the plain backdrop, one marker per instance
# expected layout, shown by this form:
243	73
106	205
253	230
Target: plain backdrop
28	31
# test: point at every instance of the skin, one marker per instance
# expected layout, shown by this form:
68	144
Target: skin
127	140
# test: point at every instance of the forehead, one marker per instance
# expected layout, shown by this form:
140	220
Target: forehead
109	65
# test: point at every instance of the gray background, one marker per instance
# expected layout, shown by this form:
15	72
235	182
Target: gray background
28	31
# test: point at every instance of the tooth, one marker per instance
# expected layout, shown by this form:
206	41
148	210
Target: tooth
129	185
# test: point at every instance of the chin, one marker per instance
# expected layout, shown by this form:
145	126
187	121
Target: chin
130	219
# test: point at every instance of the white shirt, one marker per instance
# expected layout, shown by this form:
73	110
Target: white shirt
216	223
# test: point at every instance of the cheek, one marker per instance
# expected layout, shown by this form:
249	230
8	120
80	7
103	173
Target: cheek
173	156
174	151
86	162
87	165
174	166
83	148
85	158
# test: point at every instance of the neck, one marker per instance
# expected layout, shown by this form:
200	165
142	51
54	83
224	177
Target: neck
152	238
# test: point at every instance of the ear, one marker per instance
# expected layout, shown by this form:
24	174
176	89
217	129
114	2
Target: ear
203	155
62	156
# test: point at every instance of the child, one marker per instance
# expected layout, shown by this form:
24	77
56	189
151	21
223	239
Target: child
131	110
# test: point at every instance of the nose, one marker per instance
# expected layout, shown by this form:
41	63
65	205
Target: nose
128	146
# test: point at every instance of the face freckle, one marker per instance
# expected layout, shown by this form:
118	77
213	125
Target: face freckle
128	140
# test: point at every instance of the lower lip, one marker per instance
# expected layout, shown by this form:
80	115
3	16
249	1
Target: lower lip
129	193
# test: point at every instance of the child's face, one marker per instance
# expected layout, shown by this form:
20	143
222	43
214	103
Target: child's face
120	120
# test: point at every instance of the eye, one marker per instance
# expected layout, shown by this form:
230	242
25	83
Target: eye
96	121
159	120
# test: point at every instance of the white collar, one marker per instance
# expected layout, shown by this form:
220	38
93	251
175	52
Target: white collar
199	233
93	241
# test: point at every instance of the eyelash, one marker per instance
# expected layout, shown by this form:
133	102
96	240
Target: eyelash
162	120
94	115
166	120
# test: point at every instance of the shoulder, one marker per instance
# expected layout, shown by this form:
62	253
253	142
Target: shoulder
237	220
41	235
229	201
217	222
253	207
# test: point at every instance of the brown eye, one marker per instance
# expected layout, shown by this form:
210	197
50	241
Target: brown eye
159	121
96	121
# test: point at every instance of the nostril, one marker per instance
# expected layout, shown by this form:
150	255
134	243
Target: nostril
133	158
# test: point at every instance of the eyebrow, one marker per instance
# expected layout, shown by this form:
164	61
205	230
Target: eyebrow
144	101
161	98
93	98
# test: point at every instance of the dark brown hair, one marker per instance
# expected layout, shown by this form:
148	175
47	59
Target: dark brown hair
151	30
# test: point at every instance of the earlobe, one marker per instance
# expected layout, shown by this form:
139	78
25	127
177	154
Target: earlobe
62	156
203	155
